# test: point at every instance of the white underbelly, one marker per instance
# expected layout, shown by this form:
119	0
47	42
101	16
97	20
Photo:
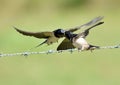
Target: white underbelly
79	43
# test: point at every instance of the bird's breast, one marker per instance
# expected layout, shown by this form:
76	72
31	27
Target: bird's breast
80	42
52	40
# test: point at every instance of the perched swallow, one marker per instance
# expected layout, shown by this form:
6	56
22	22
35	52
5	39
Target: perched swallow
53	36
77	40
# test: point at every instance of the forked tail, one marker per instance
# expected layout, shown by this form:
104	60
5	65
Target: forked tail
39	45
92	47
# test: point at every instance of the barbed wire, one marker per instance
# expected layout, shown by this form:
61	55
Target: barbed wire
27	53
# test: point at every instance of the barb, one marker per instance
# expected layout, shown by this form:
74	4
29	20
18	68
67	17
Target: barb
50	51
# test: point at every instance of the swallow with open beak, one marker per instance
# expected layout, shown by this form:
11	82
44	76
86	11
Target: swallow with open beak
54	36
77	40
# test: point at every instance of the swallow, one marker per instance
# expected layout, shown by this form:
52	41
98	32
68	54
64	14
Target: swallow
77	40
54	36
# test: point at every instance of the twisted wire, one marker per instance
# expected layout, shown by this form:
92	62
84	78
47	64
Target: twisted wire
51	51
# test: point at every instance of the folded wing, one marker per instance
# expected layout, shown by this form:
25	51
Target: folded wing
65	44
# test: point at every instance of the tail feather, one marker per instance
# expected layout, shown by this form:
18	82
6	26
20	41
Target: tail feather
92	47
39	44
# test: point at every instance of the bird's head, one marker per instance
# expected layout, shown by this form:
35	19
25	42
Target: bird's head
69	35
59	33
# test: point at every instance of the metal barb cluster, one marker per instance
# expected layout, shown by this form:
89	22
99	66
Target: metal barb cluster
110	47
51	51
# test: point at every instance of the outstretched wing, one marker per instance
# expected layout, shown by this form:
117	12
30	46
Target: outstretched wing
86	32
90	23
35	34
65	44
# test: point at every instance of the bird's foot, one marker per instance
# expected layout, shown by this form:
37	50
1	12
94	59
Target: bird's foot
60	51
91	49
79	50
71	50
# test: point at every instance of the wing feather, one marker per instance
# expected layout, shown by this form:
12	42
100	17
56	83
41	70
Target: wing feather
35	34
90	23
86	32
65	44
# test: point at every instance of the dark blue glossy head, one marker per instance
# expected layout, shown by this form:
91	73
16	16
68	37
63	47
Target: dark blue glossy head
59	33
69	35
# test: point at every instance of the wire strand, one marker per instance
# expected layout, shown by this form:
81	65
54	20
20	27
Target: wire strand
50	51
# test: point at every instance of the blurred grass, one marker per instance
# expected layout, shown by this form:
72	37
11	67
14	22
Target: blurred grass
98	68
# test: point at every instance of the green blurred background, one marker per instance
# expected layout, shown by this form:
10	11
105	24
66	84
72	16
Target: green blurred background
102	67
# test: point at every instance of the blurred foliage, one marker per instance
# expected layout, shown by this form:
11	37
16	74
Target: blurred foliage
71	4
98	68
31	5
